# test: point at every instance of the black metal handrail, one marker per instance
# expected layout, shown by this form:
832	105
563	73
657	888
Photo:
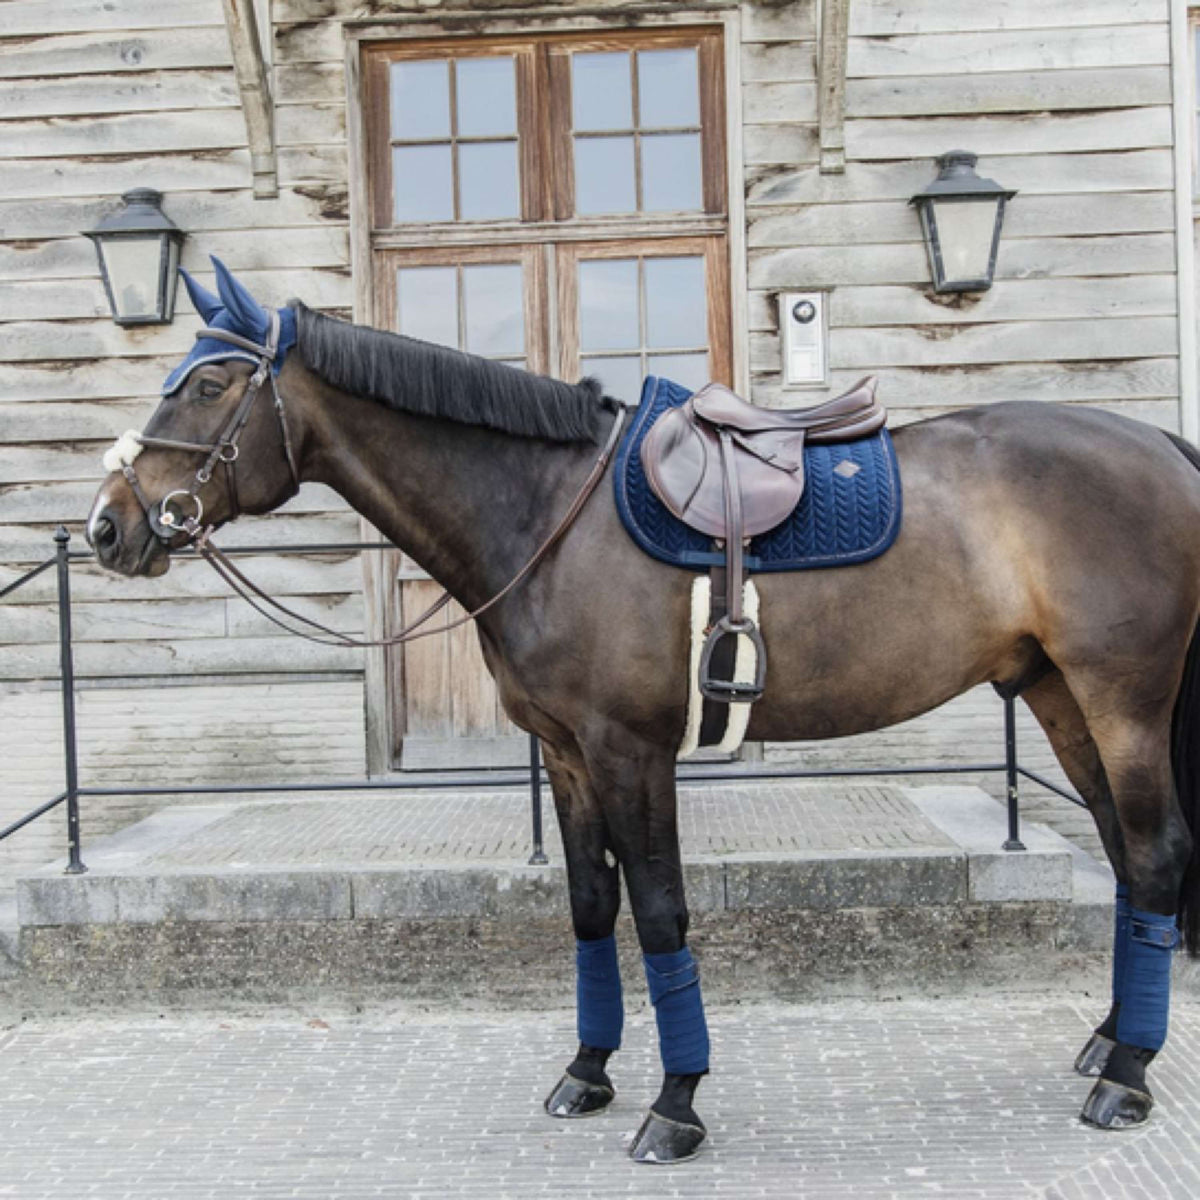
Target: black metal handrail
534	777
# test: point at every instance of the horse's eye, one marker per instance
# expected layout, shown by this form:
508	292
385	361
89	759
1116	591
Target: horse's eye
210	389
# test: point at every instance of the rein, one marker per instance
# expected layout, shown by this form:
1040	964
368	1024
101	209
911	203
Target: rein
248	590
167	526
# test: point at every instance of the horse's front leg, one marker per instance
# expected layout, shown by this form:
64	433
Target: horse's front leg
637	784
594	883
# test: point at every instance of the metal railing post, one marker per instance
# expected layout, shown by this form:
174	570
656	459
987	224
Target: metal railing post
74	862
538	857
1010	769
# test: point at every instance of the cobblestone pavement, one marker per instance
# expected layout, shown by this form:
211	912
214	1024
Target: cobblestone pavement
428	827
965	1099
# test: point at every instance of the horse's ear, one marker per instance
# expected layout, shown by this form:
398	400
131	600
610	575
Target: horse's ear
247	313
207	305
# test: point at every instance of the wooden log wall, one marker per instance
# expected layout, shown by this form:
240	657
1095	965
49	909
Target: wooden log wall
1070	105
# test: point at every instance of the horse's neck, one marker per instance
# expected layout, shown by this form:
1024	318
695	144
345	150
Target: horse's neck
470	505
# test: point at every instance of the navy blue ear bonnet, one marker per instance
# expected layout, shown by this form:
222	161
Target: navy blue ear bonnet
234	310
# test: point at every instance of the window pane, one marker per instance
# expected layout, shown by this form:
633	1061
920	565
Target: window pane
668	89
691	370
487	174
495	309
422	183
604	175
608	304
602	95
671	172
427	304
420	100
487	97
676	312
620	378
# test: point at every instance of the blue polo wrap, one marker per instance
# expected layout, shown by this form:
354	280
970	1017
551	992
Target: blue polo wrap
1146	989
674	981
600	1013
1121	910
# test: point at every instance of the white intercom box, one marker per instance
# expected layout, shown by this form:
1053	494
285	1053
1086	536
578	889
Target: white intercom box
803	317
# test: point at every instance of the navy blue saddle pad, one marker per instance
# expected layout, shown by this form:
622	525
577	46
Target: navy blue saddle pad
844	517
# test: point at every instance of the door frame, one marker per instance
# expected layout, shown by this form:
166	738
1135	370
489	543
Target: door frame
380	700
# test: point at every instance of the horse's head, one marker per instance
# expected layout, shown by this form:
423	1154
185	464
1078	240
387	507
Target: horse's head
218	444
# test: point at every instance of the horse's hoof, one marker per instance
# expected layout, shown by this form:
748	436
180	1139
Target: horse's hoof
661	1140
574	1098
1093	1058
1115	1106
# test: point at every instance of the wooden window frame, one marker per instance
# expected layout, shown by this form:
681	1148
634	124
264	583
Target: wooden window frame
545	150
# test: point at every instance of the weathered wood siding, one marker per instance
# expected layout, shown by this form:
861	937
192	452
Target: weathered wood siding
1068	104
1071	106
94	99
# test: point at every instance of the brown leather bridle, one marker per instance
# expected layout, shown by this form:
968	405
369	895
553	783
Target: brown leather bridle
167	527
165	524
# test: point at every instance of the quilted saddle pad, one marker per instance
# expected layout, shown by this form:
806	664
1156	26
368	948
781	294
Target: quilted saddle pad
849	512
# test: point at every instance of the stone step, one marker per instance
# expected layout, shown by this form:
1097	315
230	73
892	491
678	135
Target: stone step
795	889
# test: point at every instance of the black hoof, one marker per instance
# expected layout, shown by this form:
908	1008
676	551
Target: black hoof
574	1098
661	1140
1094	1056
1115	1106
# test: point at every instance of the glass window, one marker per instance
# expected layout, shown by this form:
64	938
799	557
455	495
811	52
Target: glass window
602	91
655	305
668	89
494	310
427	304
647	169
454	140
477	307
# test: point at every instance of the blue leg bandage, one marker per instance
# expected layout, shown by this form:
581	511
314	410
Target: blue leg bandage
1146	993
599	1009
674	981
1120	941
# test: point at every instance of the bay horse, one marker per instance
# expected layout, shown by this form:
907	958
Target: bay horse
1051	551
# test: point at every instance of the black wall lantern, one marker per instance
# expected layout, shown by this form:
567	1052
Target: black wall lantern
138	247
961	216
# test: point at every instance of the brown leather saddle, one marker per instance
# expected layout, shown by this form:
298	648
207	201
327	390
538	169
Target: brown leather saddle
732	470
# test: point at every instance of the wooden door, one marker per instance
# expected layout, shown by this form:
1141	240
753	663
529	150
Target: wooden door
489	301
553	201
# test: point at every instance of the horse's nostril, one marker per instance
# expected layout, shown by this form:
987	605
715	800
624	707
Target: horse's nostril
104	537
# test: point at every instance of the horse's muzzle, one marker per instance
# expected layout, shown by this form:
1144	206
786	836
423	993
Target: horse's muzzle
128	551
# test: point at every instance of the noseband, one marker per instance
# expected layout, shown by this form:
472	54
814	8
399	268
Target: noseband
162	519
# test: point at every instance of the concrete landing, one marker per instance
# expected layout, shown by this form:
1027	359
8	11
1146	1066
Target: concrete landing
796	889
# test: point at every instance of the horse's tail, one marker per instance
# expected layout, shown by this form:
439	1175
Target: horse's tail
1185	763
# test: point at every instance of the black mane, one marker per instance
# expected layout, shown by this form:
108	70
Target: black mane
434	381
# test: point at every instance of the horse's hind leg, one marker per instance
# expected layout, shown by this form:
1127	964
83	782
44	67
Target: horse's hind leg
593	880
1135	748
1065	728
637	782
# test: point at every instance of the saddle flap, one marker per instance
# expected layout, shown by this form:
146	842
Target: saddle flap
682	461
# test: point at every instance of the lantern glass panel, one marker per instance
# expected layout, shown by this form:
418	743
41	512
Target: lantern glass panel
965	232
132	266
171	280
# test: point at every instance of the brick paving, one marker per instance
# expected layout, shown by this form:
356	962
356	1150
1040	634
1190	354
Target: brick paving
970	1099
790	818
